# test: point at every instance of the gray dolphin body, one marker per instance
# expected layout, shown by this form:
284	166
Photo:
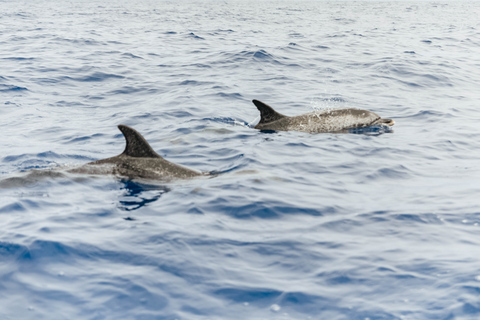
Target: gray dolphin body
319	121
138	160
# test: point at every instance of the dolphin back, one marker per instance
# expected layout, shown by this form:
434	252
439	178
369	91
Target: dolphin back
138	160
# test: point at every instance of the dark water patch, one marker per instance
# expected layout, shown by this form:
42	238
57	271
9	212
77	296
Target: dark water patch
230	96
272	211
11	88
199	65
49	155
419	218
180	114
89	97
13	207
82	138
11	250
345	20
296	35
138	195
304	302
194	83
263	55
9	103
98	77
471	308
255	296
170	32
127	90
18	58
16	38
194	36
71	104
23	15
342	225
130	55
337	35
83	42
338	278
372	130
389	173
234	59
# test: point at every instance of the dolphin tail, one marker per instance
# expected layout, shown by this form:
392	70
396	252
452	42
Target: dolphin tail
136	145
267	114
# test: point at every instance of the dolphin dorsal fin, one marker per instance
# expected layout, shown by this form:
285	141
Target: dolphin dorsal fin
267	114
136	146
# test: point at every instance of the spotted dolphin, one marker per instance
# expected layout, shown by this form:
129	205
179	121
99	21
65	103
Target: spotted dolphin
337	120
138	160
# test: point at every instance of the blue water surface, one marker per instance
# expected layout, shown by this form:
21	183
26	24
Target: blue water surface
366	225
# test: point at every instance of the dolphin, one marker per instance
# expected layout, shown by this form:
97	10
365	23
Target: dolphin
138	160
337	120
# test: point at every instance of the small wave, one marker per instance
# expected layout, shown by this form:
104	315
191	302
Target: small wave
130	55
98	77
194	83
234	95
87	42
83	138
194	36
272	210
296	35
234	58
399	172
229	121
10	209
6	88
130	90
18	58
428	115
262	55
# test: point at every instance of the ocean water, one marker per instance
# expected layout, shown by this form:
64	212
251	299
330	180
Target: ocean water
368	225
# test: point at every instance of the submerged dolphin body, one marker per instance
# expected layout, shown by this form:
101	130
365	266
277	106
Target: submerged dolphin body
138	160
318	121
